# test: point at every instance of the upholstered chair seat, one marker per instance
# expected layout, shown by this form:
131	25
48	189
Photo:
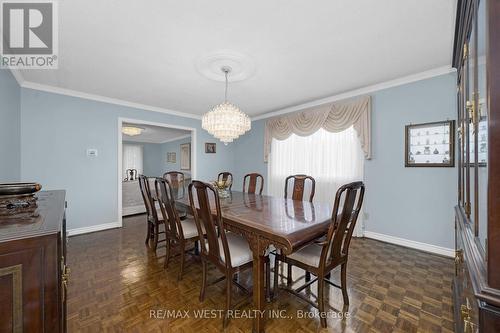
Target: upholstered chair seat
309	255
238	248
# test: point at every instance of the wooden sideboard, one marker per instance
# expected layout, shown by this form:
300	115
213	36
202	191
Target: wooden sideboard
476	56
33	272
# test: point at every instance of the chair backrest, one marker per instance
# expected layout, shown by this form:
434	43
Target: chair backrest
346	208
299	183
147	197
227	177
170	215
177	182
199	199
252	182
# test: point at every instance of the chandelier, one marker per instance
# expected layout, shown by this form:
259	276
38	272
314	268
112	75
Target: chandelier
132	130
226	121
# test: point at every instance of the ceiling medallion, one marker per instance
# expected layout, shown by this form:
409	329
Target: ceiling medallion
226	121
242	66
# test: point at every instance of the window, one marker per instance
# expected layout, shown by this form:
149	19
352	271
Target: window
333	159
131	159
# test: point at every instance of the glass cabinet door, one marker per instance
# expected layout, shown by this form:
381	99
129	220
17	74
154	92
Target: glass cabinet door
469	138
482	127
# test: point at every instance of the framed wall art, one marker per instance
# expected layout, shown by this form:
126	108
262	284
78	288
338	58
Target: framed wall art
186	156
171	158
210	148
430	144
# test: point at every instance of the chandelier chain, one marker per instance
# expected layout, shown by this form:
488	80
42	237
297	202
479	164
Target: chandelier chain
226	71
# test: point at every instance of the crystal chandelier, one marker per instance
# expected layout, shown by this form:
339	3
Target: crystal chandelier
226	121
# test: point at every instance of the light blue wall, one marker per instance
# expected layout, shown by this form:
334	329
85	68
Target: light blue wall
249	155
56	131
10	127
410	203
175	147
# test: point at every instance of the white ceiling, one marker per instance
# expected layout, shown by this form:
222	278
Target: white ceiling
146	51
155	134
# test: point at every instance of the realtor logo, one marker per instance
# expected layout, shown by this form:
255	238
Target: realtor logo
29	34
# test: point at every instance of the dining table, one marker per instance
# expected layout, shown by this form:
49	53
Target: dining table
265	220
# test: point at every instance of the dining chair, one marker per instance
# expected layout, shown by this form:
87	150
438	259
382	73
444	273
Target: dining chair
227	251
153	219
322	256
299	183
179	233
178	185
252	183
227	177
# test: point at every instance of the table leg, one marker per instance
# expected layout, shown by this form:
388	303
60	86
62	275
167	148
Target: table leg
259	297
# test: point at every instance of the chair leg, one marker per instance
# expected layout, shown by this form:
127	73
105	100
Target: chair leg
203	280
321	301
197	248
229	283
276	273
155	237
148	234
343	281
289	275
308	276
167	257
268	279
183	252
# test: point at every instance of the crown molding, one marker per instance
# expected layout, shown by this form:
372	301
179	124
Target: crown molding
18	76
361	91
109	100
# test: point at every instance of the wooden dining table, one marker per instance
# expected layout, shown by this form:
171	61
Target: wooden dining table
264	220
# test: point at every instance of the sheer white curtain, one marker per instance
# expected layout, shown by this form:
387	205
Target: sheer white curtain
333	159
132	158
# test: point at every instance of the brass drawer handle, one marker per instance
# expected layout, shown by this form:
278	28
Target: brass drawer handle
64	280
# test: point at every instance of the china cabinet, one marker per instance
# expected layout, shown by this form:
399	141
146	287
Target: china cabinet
476	56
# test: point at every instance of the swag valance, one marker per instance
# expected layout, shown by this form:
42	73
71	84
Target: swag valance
333	117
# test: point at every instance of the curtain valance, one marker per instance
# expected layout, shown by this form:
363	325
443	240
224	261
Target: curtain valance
333	117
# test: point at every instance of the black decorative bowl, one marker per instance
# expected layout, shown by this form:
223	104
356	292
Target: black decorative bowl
19	188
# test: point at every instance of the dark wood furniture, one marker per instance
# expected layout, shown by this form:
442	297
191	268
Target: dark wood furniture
229	252
253	179
178	185
153	216
476	285
226	177
33	271
298	183
262	221
178	233
322	256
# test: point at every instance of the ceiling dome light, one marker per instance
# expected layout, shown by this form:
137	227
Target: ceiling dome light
132	130
226	121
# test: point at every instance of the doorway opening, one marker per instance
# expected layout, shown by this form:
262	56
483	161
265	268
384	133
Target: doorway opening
151	149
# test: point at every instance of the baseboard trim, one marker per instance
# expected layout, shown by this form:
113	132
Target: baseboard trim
133	210
411	244
93	228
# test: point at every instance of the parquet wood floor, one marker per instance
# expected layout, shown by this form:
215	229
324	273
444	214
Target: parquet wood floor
116	283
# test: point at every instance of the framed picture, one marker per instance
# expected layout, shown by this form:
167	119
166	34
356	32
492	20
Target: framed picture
186	156
210	148
430	144
171	158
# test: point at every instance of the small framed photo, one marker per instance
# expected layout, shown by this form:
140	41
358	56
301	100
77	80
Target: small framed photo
430	144
171	157
210	148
